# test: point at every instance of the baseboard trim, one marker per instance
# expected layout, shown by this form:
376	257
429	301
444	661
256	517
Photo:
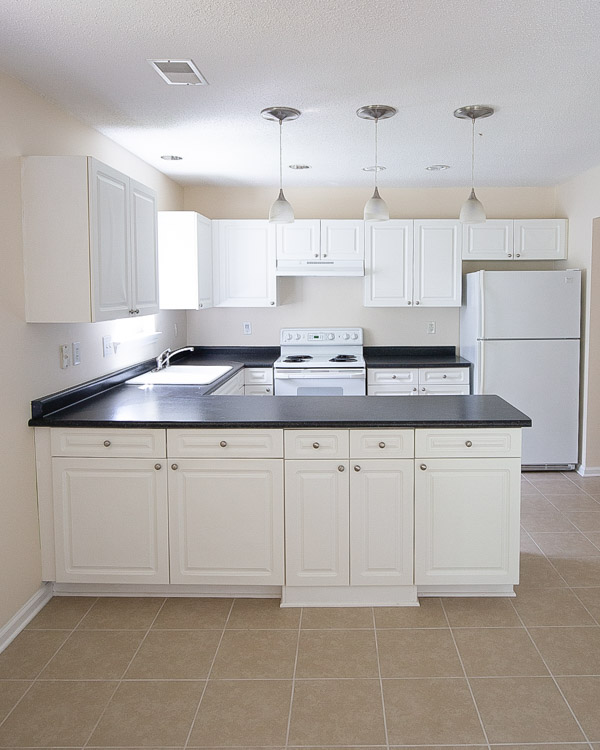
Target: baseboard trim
588	471
25	615
170	589
349	596
466	590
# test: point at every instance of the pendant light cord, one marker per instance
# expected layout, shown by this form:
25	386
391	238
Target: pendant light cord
280	157
473	155
376	162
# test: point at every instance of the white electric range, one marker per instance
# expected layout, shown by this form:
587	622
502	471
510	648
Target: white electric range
320	362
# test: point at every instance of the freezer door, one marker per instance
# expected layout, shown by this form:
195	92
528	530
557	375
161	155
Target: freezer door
541	378
530	304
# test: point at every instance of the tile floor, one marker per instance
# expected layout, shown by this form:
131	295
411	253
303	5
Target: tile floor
209	673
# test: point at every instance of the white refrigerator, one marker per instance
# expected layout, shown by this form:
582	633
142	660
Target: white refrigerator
520	329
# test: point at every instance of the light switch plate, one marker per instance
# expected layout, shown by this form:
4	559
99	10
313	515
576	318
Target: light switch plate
107	346
247	328
76	348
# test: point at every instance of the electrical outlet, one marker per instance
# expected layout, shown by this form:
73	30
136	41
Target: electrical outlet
76	348
247	328
64	356
175	329
431	326
107	346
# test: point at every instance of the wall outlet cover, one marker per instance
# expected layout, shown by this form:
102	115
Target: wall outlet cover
107	346
64	356
247	328
76	348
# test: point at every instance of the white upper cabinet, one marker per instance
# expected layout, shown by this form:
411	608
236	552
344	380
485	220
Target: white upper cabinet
515	239
89	242
413	263
342	239
300	240
244	263
184	260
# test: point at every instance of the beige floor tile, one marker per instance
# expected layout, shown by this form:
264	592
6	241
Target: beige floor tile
62	612
536	572
586	520
488	652
480	612
590	597
249	713
355	704
189	613
528	546
583	695
589	484
56	714
548	519
337	653
29	653
337	617
437	747
256	654
557	487
528	489
418	653
578	571
122	613
428	615
150	713
430	712
594	537
175	655
11	691
574	503
97	655
569	651
263	613
533	503
550	607
524	709
553	746
565	545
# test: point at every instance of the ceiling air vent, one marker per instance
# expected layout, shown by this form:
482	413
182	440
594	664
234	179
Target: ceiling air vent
179	72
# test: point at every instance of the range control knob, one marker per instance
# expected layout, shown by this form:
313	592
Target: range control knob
346	336
288	336
355	336
298	336
331	336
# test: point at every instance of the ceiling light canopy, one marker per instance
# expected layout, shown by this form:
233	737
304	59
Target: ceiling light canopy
171	157
472	211
376	208
437	167
281	211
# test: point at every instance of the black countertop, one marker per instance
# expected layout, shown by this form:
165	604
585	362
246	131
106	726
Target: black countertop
413	356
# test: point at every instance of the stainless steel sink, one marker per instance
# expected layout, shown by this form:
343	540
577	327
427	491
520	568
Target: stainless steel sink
182	375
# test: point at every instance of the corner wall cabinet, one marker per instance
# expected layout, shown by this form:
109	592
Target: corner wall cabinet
89	242
184	260
515	239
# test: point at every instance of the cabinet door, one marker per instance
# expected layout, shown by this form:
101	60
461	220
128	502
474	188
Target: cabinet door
381	522
492	240
300	240
226	521
144	252
540	239
388	263
467	520
317	523
437	263
343	239
110	519
244	263
110	242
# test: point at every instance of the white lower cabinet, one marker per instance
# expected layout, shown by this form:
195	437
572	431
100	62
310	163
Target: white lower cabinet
427	381
110	520
226	521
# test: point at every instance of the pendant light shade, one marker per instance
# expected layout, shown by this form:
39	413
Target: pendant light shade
376	208
281	211
472	211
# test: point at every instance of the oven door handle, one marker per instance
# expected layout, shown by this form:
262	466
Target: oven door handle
319	374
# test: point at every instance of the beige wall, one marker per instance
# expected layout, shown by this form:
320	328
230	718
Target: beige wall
339	301
579	199
30	124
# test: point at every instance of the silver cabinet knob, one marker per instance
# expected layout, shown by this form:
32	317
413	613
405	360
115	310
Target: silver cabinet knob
316	445
409	302
268	390
136	311
414	389
357	468
469	444
509	255
107	443
382	444
131	312
316	255
423	467
417	302
324	255
444	376
223	443
394	377
422	389
174	467
158	467
518	255
341	467
271	303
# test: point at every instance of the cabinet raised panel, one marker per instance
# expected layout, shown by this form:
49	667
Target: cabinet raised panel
437	263
300	240
388	263
342	239
492	240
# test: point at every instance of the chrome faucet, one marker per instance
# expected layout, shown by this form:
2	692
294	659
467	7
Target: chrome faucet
164	358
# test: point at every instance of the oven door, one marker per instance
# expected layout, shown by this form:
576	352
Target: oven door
343	381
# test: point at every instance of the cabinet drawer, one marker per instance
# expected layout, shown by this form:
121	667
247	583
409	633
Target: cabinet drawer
258	390
444	390
382	443
225	443
444	375
400	389
392	376
316	444
478	443
126	443
258	375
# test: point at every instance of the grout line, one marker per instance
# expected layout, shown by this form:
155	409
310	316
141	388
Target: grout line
289	722
189	734
385	726
487	741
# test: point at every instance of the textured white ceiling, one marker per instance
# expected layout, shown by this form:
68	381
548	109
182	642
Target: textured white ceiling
537	62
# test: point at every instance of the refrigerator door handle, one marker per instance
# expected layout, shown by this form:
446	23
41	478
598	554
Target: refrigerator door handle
482	304
481	366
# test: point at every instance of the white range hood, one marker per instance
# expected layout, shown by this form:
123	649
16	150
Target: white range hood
320	268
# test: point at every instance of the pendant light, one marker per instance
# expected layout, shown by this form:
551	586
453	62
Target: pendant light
281	211
376	208
472	211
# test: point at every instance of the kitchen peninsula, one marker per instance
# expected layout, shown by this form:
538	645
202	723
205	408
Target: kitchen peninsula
323	501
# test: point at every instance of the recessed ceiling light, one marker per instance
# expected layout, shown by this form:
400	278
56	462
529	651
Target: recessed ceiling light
171	157
299	166
179	72
437	167
374	168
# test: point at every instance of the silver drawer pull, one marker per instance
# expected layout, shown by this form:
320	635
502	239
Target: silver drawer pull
268	390
174	467
158	467
107	443
382	444
422	389
357	468
394	377
469	444
414	389
444	376
423	467
341	467
223	443
316	445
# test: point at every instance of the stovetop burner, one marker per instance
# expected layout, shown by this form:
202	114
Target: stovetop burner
297	358
344	358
